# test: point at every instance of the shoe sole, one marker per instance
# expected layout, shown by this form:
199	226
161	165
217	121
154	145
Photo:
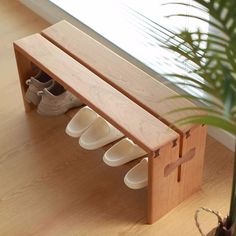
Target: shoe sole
50	112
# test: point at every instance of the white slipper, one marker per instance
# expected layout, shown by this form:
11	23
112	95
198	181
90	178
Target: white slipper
81	121
137	177
122	152
99	134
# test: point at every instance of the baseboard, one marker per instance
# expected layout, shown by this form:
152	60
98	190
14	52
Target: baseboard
228	140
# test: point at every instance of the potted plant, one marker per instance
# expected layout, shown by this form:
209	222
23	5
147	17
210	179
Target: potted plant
212	57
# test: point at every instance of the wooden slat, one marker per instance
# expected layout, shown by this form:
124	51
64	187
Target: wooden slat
130	80
127	116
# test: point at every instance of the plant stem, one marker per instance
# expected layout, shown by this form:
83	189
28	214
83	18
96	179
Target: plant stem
232	213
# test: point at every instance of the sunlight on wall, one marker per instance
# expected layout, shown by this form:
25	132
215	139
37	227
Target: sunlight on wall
137	26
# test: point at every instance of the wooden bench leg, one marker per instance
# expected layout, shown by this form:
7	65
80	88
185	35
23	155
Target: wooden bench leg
191	171
166	189
25	71
163	192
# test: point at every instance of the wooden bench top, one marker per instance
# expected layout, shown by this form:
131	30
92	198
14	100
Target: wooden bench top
136	123
121	74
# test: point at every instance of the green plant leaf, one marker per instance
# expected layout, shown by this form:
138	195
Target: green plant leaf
212	57
203	109
219	122
202	19
198	99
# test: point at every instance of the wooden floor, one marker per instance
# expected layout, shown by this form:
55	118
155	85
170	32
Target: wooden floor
49	186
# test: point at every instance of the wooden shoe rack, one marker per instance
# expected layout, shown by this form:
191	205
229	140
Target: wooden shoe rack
130	100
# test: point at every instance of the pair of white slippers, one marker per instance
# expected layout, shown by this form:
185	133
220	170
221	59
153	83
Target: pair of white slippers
94	132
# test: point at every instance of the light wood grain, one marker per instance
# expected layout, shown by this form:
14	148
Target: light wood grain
135	83
49	186
136	123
